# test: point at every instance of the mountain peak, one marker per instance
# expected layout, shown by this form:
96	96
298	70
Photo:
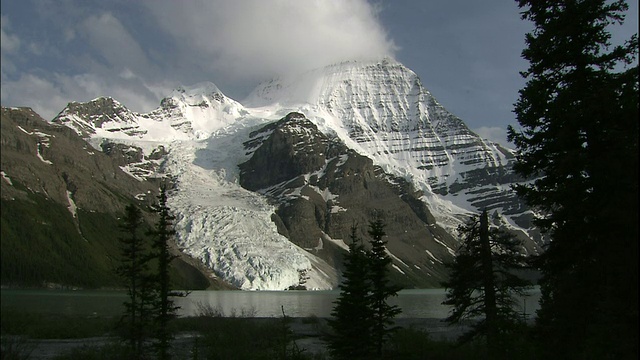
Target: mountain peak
205	88
102	112
367	126
201	94
313	87
97	105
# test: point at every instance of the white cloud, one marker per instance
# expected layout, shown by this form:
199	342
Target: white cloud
34	92
49	95
256	39
236	44
495	134
112	41
69	34
8	43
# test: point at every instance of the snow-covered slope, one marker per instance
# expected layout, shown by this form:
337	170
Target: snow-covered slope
218	222
229	228
380	109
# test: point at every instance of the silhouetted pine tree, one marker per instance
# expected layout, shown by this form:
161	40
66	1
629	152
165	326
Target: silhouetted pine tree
382	289
352	316
134	270
482	284
164	305
579	119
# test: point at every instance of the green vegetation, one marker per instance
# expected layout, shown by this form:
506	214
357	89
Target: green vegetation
352	317
134	270
214	336
163	309
381	287
413	344
482	285
362	319
54	326
578	114
16	348
149	308
110	351
42	245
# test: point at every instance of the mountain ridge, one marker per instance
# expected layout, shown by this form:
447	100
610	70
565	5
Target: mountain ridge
378	110
61	200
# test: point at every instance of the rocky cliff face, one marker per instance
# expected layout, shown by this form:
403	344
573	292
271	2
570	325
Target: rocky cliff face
382	111
51	159
101	113
266	191
322	188
61	200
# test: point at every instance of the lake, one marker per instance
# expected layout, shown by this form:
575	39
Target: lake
417	303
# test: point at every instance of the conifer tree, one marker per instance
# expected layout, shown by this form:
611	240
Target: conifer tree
135	271
352	315
165	307
483	285
381	287
579	118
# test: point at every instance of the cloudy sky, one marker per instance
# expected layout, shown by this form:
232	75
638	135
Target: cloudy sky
466	52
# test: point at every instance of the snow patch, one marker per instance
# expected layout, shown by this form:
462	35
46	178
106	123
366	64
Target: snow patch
398	269
6	178
227	227
24	131
450	250
338	242
433	257
39	155
72	205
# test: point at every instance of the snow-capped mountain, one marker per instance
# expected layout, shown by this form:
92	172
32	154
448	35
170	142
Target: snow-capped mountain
322	188
372	119
381	110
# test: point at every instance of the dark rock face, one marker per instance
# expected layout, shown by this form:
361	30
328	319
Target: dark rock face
285	154
97	113
322	188
133	158
51	159
53	182
121	153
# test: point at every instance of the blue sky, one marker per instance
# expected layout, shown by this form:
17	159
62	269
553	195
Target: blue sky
467	53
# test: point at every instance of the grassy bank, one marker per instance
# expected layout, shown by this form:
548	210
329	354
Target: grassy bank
211	335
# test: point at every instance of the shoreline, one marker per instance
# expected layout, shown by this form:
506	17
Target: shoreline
307	332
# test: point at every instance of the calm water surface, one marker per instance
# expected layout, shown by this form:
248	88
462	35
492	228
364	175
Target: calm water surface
422	303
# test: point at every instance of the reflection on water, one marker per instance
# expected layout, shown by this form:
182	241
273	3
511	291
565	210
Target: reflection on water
419	303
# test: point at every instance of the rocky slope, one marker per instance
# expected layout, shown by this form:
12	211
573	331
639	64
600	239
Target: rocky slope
266	191
322	188
384	112
61	199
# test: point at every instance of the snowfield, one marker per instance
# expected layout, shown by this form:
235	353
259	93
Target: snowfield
229	228
378	109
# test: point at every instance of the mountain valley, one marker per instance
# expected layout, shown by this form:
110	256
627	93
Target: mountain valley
265	190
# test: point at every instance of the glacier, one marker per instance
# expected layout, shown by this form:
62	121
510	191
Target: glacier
379	108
